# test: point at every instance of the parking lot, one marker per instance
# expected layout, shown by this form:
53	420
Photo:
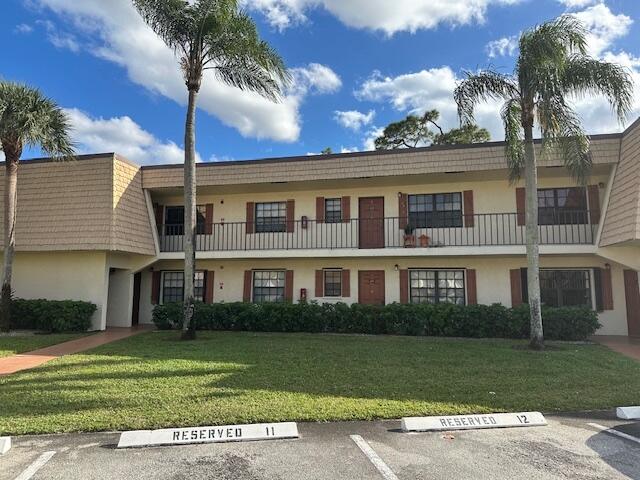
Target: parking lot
569	447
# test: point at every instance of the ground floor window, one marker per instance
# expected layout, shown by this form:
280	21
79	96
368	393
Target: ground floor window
268	286
173	287
437	286
333	283
565	288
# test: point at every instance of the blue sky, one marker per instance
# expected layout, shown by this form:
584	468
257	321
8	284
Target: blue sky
357	65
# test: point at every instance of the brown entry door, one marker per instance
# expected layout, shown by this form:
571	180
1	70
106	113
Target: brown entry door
135	314
371	287
632	294
371	214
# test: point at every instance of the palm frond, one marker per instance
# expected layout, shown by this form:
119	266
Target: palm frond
587	76
481	87
237	46
27	117
171	20
511	114
562	131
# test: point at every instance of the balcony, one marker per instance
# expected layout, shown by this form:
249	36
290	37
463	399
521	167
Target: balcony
479	230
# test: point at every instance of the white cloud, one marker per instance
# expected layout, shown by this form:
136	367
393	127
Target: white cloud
121	135
368	142
604	27
425	90
502	47
23	28
59	39
314	78
384	15
114	31
353	119
578	3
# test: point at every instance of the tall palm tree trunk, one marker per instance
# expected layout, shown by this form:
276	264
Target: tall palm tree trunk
10	201
188	326
533	253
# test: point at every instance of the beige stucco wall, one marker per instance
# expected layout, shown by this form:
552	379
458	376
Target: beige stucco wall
493	280
64	276
490	196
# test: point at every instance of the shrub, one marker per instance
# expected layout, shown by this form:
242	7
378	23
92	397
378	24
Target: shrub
477	321
52	315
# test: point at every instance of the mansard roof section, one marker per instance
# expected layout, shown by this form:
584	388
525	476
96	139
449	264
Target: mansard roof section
436	159
94	202
622	220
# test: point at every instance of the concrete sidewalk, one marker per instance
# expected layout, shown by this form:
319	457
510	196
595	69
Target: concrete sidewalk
629	346
25	361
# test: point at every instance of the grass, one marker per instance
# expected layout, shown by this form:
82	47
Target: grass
11	345
154	380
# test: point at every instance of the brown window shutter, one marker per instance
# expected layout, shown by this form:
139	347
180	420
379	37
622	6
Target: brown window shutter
404	286
346	209
158	210
346	283
594	203
403	210
520	206
632	300
319	283
248	281
288	286
319	209
208	218
516	287
209	282
251	220
472	292
469	219
291	205
155	287
607	289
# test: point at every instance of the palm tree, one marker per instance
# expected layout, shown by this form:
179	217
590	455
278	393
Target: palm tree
210	35
552	67
29	118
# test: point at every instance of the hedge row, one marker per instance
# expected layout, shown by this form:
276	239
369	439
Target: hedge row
446	320
51	315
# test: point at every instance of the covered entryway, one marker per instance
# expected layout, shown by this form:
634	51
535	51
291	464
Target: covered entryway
632	295
371	224
371	287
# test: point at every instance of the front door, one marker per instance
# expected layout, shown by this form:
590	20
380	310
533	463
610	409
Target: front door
632	294
371	213
135	314
371	287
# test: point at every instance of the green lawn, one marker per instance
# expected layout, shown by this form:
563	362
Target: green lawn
154	380
25	343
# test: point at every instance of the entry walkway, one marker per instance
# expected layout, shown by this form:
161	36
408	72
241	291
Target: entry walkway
25	361
629	346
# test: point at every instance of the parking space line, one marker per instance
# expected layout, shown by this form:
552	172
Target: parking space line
614	432
32	469
373	457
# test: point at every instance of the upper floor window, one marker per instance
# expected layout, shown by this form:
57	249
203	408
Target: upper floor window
268	286
437	286
333	283
333	210
562	206
173	287
565	288
271	217
174	220
435	210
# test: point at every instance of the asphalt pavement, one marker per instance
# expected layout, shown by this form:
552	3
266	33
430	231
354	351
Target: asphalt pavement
580	446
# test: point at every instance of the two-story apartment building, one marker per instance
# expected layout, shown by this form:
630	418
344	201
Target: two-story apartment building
435	224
